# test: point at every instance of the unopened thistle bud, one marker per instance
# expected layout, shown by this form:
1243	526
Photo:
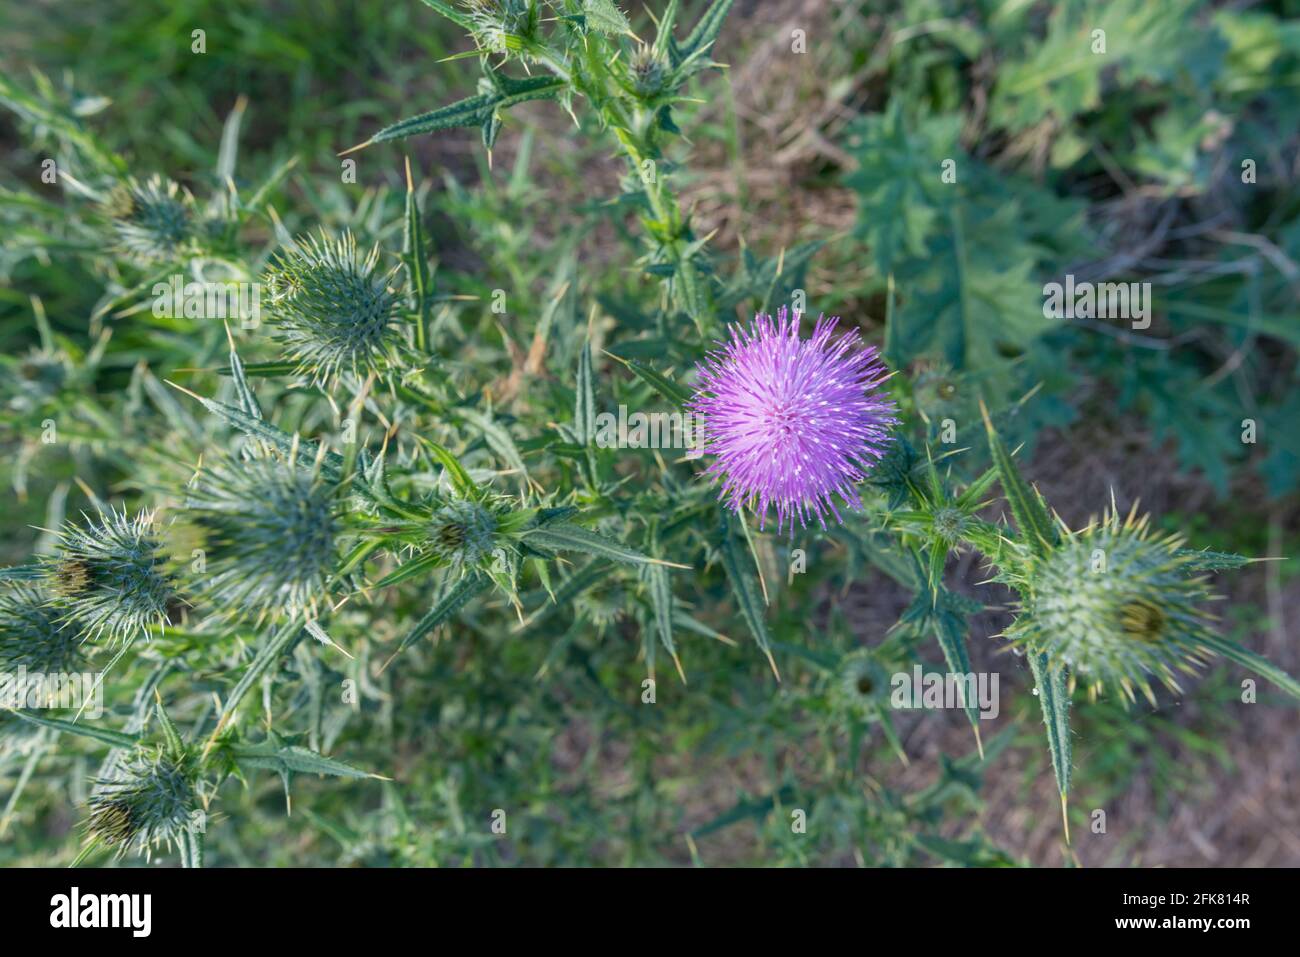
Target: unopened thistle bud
861	684
154	220
1117	605
268	528
148	801
107	576
33	634
331	309
500	26
603	605
462	533
648	71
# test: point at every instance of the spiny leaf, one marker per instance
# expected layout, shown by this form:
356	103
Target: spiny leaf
567	537
1247	658
1054	697
706	30
472	111
734	562
1035	525
451	602
605	17
115	739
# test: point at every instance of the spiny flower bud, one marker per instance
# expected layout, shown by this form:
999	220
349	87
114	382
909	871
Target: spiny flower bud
34	636
107	577
149	800
861	684
269	529
37	377
331	309
462	533
1115	604
154	220
648	71
603	605
501	25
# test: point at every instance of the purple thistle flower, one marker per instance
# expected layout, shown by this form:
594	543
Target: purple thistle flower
793	422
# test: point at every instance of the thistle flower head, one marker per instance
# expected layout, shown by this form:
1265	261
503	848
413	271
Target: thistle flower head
269	528
1117	604
792	422
462	533
331	309
106	576
149	800
33	635
154	220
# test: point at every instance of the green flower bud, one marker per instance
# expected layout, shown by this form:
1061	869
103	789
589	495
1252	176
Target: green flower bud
154	220
500	26
33	635
149	800
648	71
330	308
107	579
1116	605
462	533
269	533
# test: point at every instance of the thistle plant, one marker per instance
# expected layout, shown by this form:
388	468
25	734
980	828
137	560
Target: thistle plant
462	533
422	469
153	219
107	576
147	803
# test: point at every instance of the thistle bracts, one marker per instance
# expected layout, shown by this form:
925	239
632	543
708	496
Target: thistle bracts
269	528
1115	604
148	801
106	576
331	309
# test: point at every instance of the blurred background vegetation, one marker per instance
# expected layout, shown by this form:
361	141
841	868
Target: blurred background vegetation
1126	166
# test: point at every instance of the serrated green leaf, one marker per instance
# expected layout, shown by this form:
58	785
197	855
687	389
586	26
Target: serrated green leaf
735	557
473	111
605	17
567	537
1032	519
451	602
115	739
1054	697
